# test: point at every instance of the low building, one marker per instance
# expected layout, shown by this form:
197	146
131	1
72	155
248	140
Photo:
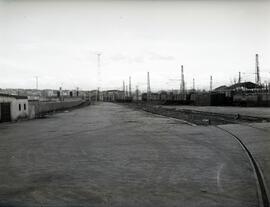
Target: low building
13	107
153	97
112	95
209	99
94	95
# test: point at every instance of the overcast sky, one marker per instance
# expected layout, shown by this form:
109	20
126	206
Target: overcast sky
58	42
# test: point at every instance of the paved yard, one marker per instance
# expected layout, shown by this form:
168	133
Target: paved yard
111	155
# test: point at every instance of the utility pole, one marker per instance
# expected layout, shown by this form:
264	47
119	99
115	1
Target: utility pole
124	91
182	84
211	83
129	86
193	84
99	76
239	77
60	94
37	82
257	70
148	87
137	93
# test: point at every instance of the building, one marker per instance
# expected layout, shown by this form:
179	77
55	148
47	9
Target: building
245	86
13	107
113	95
94	95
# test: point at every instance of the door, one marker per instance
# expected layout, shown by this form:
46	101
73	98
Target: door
5	112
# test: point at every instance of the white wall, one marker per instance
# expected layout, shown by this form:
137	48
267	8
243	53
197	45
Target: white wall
14	107
15	112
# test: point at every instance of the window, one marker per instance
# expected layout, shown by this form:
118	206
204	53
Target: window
20	108
24	106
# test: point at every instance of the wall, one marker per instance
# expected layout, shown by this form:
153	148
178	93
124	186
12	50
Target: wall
32	110
45	107
37	108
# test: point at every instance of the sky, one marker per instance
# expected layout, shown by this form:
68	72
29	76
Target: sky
59	40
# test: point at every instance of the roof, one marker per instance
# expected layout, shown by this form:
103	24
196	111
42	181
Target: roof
113	91
13	96
162	92
221	88
248	85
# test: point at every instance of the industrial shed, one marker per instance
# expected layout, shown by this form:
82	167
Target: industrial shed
245	86
13	107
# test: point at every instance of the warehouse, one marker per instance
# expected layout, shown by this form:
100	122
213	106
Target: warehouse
13	107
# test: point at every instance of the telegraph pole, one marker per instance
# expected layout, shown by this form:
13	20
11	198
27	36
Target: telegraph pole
193	84
124	91
77	91
148	87
129	86
37	82
211	83
182	84
137	93
239	77
257	70
99	76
